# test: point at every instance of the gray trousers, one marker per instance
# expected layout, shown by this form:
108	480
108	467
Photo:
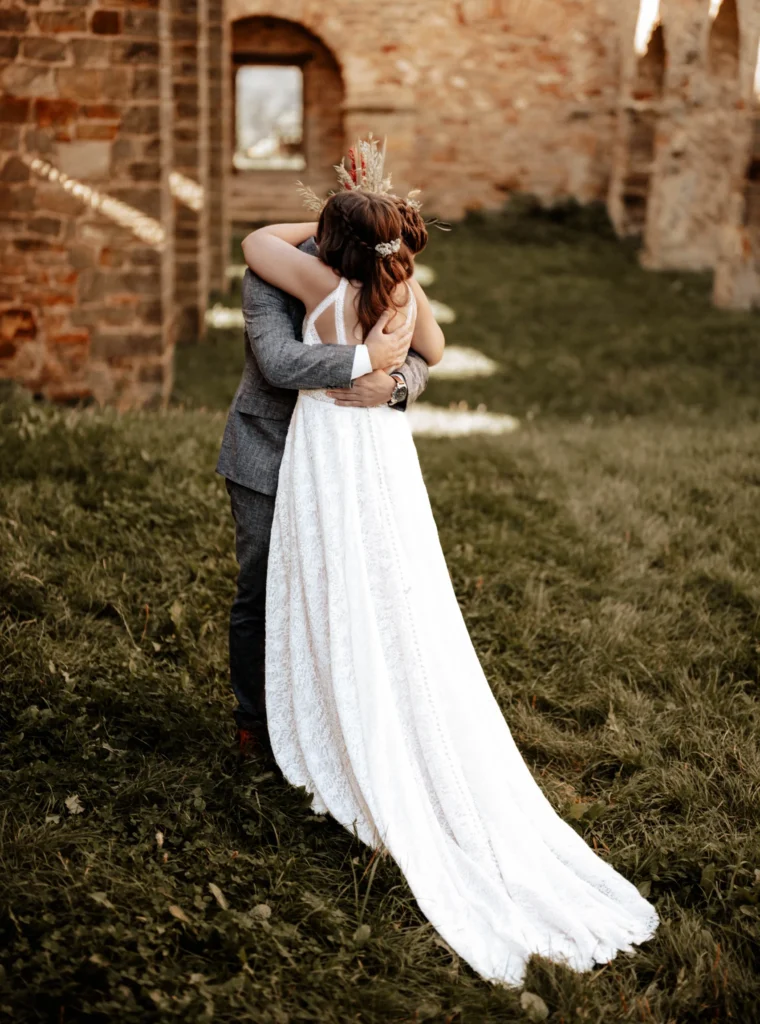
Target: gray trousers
253	512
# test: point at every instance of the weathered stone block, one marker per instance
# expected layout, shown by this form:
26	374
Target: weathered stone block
61	21
29	80
8	47
86	160
16	200
81	84
14	19
115	83
14	170
145	84
45	226
10	138
136	53
142	120
54	199
141	23
37	48
145	171
91	53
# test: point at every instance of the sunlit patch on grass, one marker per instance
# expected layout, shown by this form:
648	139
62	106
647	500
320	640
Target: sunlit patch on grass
460	362
224	317
444	314
424	274
433	421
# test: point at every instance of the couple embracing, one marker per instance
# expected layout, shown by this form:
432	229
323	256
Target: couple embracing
349	654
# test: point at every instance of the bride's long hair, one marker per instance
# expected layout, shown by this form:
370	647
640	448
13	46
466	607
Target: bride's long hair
351	224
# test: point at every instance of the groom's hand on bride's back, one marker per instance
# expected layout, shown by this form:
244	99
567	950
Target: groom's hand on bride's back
388	351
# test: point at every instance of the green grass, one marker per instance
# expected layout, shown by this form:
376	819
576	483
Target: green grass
609	572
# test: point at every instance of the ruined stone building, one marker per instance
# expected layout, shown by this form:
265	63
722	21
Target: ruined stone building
121	169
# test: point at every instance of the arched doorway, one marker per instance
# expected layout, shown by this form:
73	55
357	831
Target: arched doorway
287	117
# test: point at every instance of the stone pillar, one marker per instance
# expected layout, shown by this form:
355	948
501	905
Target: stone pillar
85	153
704	114
737	268
219	143
190	170
638	116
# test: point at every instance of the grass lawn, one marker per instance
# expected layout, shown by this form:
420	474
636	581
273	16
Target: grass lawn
607	559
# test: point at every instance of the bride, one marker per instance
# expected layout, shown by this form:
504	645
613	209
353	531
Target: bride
375	699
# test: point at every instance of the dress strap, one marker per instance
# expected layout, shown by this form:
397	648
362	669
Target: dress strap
340	323
326	302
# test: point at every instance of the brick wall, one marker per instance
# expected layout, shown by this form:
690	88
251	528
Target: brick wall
190	85
83	300
108	105
477	98
219	142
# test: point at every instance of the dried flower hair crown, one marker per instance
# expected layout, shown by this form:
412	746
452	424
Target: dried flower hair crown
365	174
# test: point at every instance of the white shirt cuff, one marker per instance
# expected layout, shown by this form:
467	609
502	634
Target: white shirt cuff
362	362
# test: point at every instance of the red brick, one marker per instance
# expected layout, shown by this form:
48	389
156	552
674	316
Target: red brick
17	323
100	111
106	23
73	338
49	298
14	109
54	112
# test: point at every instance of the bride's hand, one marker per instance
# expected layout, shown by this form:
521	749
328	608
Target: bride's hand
388	351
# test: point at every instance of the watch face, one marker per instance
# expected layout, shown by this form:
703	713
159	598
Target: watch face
399	392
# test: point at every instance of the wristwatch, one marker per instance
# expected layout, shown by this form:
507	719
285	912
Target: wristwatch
401	392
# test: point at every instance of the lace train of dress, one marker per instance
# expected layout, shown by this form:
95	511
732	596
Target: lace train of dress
378	705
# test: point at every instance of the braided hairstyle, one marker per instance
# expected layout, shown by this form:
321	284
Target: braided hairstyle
351	224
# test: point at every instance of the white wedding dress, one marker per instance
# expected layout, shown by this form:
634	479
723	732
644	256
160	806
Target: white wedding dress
377	704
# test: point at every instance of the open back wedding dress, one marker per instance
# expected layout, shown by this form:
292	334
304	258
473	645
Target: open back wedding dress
377	704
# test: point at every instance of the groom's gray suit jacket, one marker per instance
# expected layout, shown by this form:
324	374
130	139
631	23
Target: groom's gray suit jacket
277	365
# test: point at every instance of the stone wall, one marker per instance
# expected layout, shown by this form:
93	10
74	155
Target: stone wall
116	116
478	99
85	299
219	142
190	169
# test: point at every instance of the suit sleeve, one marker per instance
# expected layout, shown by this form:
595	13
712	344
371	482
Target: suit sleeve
270	317
416	373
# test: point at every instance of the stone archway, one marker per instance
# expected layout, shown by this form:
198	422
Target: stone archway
262	192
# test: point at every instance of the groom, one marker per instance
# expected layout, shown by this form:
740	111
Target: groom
277	365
